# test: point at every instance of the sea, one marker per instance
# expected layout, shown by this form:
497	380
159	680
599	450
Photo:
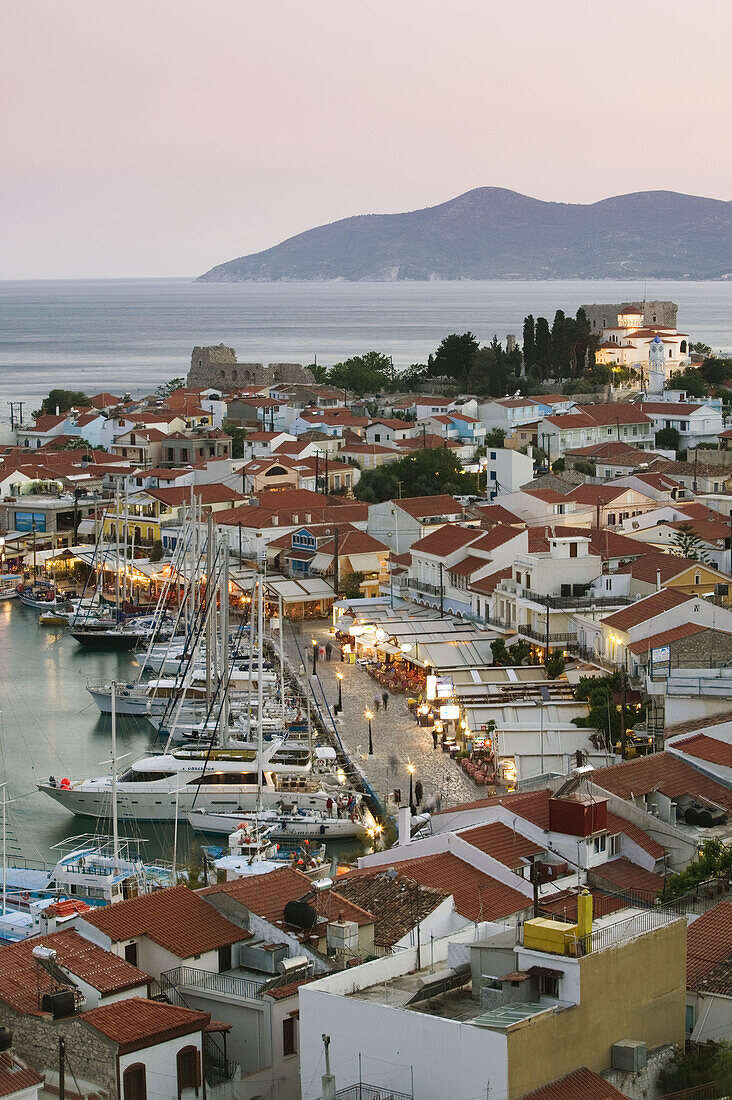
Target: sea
132	335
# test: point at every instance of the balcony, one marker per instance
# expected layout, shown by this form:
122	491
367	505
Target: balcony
569	603
424	586
617	932
230	985
540	636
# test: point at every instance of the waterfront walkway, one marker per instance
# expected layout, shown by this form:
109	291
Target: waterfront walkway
397	740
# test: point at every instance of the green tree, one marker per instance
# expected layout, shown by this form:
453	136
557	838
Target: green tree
689	380
454	357
170	387
604	714
554	664
414	375
423	473
157	553
362	373
529	345
495	438
350	585
687	1069
492	372
543	344
560	329
689	545
238	435
668	439
320	373
63	400
716	371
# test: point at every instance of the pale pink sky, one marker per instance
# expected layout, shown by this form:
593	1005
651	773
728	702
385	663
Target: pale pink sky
159	137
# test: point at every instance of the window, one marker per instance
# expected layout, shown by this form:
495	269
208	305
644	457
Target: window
697	577
600	843
131	953
493	456
690	1015
549	985
189	1069
518	578
614	846
133	1082
288	1036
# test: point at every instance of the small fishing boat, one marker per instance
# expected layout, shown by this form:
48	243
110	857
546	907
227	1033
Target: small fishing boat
8	586
246	856
41	595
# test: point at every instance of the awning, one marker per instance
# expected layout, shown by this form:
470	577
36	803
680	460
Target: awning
86	527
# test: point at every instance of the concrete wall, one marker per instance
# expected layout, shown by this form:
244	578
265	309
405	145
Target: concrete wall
606	316
35	1040
218	366
161	1067
633	991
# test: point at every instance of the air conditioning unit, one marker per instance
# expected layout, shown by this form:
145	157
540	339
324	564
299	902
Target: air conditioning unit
629	1055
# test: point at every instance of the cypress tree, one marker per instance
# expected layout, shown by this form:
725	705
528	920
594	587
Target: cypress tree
529	343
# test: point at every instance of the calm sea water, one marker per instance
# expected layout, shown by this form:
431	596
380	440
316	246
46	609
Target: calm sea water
133	334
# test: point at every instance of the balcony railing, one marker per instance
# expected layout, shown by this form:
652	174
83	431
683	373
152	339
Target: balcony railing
371	1092
541	636
569	602
424	586
231	985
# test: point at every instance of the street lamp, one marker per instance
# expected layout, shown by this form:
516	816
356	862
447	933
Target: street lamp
339	704
369	715
410	769
315	656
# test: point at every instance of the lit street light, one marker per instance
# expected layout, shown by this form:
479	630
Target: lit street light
410	769
339	704
369	715
315	657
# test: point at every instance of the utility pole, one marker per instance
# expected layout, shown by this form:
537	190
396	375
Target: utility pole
317	469
336	563
61	1069
442	593
622	714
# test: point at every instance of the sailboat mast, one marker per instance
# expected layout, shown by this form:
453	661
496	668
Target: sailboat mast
115	822
116	554
282	654
5	849
210	602
260	700
225	635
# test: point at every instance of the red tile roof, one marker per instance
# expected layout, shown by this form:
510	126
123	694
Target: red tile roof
477	896
177	919
214	493
564	904
622	874
660	772
487	585
708	941
427	507
707	748
353	541
136	1023
20	977
503	843
468	565
398	902
446	540
582	1084
495	537
267	895
645	609
496	513
669	566
15	1076
665	637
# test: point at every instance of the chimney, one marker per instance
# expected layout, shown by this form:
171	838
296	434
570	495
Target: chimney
658	580
405	825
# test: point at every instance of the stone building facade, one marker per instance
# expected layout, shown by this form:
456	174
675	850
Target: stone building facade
654	313
217	366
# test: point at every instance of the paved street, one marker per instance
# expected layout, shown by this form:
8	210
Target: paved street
397	740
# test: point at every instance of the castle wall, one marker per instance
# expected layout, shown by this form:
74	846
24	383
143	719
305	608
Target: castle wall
654	313
218	367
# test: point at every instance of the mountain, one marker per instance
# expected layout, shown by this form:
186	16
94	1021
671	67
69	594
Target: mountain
491	233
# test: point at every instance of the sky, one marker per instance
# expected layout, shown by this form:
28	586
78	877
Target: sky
161	137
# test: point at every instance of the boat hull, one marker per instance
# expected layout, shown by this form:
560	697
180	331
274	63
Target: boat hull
98	639
285	828
147	805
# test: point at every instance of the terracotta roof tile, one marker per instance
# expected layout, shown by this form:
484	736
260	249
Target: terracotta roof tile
707	748
446	540
20	977
398	902
698	724
503	843
708	943
564	904
497	536
467	566
642	610
663	772
177	919
582	1084
136	1023
15	1075
487	585
427	507
622	874
665	637
267	895
477	895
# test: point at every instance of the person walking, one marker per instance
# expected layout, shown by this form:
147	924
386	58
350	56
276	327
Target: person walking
434	737
328	651
377	702
385	699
